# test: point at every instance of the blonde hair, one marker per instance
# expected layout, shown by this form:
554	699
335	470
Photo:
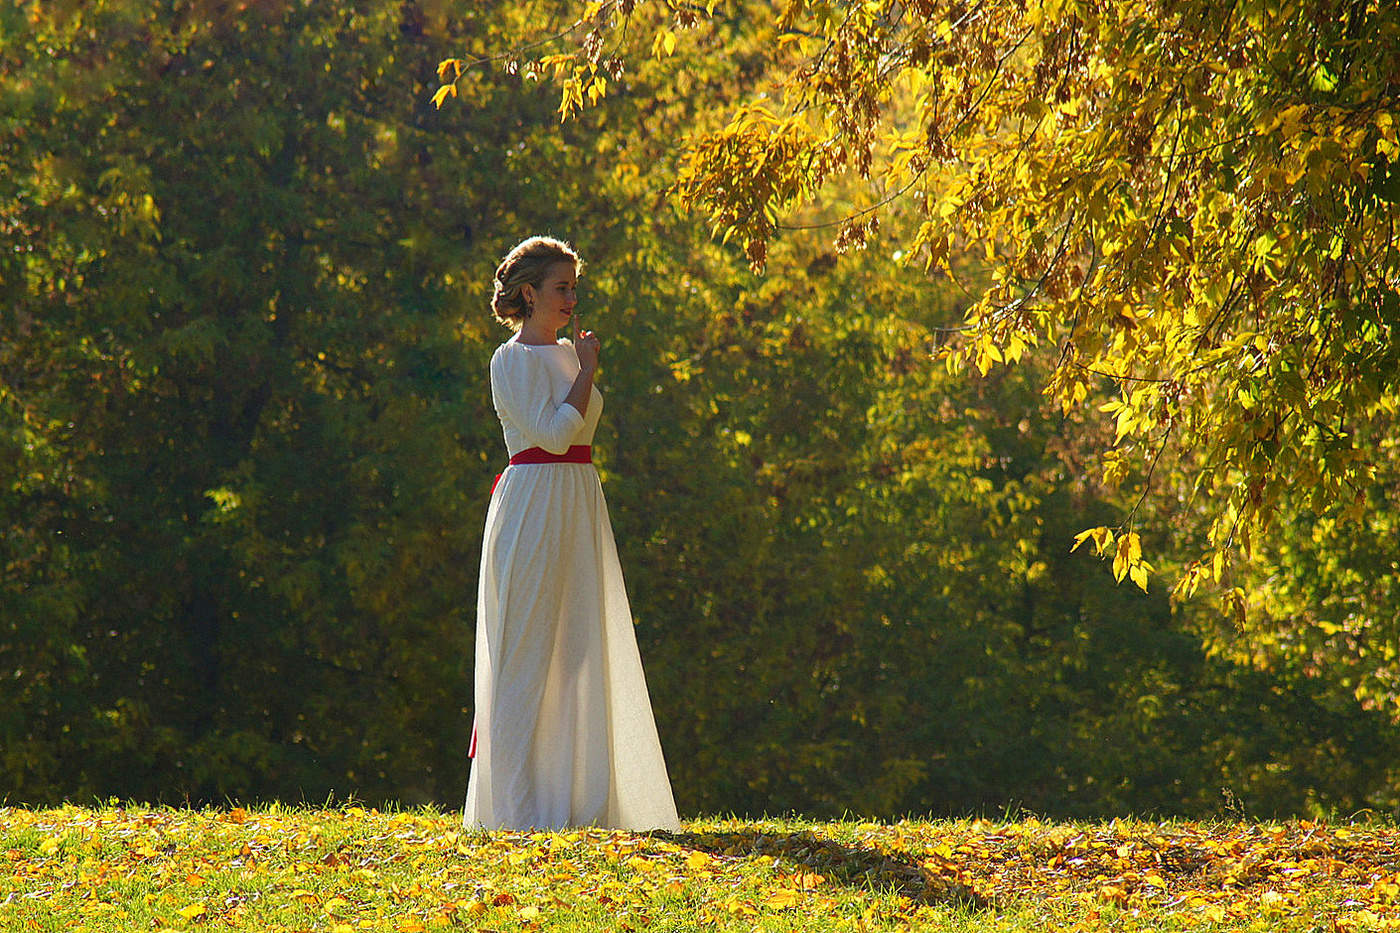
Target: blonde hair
527	264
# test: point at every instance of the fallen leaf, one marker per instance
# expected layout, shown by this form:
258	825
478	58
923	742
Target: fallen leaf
697	861
782	900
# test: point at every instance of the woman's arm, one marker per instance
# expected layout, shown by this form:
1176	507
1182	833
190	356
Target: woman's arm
520	388
581	391
586	346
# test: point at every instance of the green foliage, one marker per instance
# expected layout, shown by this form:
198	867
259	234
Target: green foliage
243	395
1324	599
865	595
1191	204
234	393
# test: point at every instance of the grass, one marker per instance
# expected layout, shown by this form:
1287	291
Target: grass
276	869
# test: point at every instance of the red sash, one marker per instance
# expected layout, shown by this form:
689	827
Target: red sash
578	453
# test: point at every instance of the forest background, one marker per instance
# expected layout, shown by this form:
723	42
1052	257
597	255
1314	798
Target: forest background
248	441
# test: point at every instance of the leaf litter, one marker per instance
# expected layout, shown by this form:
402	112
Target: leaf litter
282	869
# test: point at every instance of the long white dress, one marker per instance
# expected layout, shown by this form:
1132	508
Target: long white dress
564	729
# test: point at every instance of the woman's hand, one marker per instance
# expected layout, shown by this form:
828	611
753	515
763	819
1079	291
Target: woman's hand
586	346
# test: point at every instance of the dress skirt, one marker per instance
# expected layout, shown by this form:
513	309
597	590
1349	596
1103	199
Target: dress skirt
564	730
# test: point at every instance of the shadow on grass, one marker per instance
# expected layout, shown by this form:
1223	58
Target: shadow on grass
854	866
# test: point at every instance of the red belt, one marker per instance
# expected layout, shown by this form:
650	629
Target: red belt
578	453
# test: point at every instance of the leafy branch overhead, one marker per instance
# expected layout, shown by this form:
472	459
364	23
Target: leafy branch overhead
1186	203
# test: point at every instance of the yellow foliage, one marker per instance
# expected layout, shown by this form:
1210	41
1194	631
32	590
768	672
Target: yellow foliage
1141	211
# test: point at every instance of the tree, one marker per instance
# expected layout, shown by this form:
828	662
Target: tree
1190	203
246	449
247	442
851	577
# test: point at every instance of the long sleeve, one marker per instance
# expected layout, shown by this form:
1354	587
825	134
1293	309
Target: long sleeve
521	392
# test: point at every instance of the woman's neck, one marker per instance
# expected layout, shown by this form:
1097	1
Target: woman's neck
539	338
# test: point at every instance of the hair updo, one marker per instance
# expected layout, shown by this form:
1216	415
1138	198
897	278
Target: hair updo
527	264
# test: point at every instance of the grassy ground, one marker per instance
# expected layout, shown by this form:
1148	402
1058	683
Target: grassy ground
277	869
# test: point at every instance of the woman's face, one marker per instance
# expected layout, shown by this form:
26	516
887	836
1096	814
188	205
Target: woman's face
556	296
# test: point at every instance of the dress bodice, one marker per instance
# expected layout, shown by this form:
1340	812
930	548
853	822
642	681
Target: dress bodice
528	386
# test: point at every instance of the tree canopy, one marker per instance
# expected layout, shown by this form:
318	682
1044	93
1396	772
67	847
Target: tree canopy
1187	202
248	441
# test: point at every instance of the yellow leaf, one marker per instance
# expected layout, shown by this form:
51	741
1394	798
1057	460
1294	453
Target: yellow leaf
783	900
305	896
600	83
192	911
410	925
1125	423
1114	893
696	861
442	94
528	913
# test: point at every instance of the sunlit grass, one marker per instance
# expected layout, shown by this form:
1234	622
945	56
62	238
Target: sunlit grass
281	869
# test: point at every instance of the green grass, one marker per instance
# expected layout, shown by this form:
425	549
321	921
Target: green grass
277	869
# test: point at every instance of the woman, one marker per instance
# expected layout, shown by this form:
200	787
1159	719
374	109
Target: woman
564	734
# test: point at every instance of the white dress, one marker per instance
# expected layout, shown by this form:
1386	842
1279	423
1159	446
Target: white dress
564	729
